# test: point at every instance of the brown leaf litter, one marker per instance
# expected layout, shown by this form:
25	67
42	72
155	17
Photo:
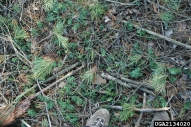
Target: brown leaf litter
9	113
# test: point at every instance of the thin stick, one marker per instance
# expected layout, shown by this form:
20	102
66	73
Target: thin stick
3	80
115	41
4	98
18	53
25	123
45	38
48	115
170	99
137	83
128	4
20	19
9	38
152	109
146	110
162	36
133	92
141	115
116	107
109	77
40	88
64	60
45	104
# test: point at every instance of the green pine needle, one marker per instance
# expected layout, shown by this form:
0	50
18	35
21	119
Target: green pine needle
58	31
136	73
48	4
128	111
19	33
42	68
96	10
59	27
166	16
174	71
89	75
63	41
134	59
158	80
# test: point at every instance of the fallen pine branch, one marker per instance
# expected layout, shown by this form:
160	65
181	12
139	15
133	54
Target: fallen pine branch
151	109
109	77
129	85
137	83
162	36
146	110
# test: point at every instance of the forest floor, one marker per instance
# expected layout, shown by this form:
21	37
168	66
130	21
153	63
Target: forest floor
61	60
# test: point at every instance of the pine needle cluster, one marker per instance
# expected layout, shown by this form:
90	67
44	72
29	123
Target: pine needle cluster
128	111
42	67
89	75
58	31
158	80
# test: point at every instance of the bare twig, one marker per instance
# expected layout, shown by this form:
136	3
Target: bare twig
141	115
48	115
116	107
45	104
137	83
152	109
162	36
22	3
109	77
45	38
128	4
170	99
2	96
146	110
85	98
25	123
64	60
40	88
9	38
3	80
19	55
133	92
115	41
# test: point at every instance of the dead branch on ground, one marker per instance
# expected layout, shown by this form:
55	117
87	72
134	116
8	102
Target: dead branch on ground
162	36
146	110
129	85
